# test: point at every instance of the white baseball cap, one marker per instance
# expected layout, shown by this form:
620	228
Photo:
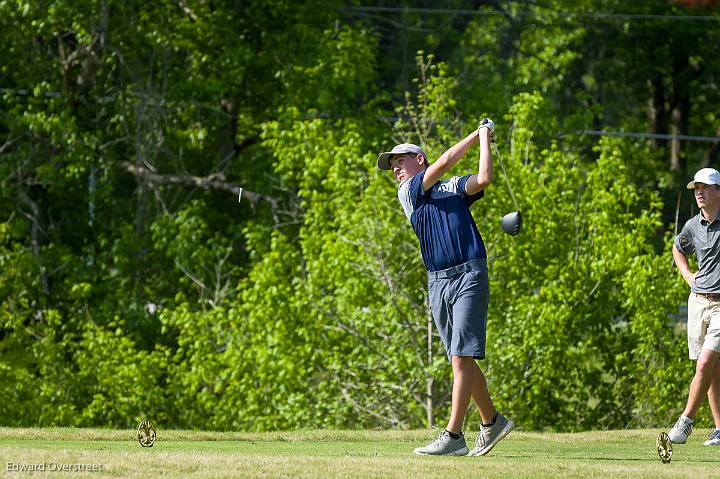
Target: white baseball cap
383	161
706	176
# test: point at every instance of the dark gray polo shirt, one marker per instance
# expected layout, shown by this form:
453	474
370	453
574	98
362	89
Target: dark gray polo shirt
702	238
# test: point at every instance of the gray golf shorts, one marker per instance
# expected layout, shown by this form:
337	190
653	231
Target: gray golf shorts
459	299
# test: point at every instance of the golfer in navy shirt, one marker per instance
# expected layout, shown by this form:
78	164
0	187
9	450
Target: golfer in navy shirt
456	261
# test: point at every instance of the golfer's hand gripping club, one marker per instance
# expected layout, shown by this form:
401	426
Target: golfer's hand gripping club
490	125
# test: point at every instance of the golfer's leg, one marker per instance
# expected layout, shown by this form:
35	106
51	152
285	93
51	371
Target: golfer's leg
700	384
481	396
714	395
712	342
463	382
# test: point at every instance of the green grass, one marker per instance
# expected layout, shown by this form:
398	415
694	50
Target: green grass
349	454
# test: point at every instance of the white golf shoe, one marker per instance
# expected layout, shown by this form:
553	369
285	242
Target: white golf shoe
713	438
444	445
490	435
681	430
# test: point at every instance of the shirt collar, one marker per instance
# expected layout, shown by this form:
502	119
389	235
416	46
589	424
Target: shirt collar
704	221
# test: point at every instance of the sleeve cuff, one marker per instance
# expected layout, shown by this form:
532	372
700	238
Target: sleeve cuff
679	246
461	185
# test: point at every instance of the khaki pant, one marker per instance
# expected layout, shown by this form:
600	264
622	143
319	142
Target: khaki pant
703	326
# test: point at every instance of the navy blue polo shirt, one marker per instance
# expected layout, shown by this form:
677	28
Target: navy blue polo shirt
442	221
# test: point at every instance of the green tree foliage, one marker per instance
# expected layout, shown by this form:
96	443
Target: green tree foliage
560	290
133	284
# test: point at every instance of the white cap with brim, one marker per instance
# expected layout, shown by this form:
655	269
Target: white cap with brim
706	176
383	161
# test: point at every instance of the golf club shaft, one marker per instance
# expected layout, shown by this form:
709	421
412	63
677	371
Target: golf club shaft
505	175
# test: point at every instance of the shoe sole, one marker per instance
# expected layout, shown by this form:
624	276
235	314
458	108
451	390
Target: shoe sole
506	430
712	442
459	452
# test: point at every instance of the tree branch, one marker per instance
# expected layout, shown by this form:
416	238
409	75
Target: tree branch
215	181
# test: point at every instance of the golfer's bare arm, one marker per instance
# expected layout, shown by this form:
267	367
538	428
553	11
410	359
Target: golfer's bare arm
476	183
447	160
683	266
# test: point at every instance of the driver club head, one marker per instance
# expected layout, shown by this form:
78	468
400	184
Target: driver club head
511	223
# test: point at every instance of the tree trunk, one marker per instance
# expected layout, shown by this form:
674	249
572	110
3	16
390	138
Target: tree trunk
711	155
35	231
657	112
140	159
679	126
